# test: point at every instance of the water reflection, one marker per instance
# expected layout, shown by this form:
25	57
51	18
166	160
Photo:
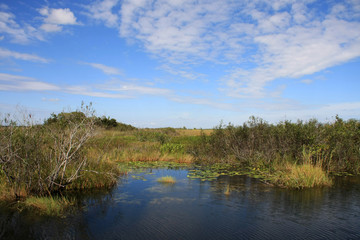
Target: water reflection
235	207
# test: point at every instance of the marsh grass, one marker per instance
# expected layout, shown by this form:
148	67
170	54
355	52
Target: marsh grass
166	180
49	206
301	176
227	190
194	132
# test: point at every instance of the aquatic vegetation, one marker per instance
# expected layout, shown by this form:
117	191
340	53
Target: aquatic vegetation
227	191
212	172
73	151
166	179
50	206
301	176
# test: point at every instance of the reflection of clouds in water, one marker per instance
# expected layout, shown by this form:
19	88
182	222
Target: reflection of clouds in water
125	198
172	200
162	188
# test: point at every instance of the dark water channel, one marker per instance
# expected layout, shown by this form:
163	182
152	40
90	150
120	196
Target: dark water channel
141	208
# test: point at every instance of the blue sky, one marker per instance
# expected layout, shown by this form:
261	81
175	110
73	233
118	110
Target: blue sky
178	63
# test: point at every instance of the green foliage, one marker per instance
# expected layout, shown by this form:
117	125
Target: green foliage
40	159
172	148
63	119
335	146
111	123
125	127
107	122
158	135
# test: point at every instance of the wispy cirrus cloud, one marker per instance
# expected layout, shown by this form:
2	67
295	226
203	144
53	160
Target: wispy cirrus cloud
10	82
103	11
260	40
17	33
5	53
139	90
106	69
296	50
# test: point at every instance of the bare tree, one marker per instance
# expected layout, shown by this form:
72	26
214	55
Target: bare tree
44	158
69	134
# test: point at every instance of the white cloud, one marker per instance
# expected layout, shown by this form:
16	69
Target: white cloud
103	11
178	31
89	91
47	27
50	99
135	90
10	77
296	51
106	69
280	39
9	82
307	81
5	53
54	18
60	16
53	21
184	72
17	34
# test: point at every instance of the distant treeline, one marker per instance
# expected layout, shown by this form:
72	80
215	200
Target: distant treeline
105	122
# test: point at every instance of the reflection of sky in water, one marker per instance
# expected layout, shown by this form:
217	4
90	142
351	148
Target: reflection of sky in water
142	208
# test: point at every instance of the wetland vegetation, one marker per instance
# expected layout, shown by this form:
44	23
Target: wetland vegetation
77	151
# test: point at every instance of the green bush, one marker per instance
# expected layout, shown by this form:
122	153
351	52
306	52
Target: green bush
172	148
334	146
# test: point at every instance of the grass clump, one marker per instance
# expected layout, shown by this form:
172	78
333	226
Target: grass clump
167	179
301	176
49	206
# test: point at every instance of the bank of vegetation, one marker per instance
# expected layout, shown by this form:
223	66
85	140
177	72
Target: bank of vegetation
75	151
39	162
287	152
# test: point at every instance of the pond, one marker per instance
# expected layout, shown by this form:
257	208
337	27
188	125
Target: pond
236	207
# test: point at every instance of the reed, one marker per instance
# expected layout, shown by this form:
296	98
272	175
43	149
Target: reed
49	206
167	180
301	176
227	190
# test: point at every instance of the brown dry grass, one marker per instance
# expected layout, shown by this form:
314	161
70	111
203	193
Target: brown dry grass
194	132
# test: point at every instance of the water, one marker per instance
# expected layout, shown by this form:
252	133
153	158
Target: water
141	208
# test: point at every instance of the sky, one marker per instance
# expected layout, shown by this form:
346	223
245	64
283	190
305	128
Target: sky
182	63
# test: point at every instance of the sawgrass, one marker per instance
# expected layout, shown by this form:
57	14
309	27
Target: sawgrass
167	180
49	206
301	176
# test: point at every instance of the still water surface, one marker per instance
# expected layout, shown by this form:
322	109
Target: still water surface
141	208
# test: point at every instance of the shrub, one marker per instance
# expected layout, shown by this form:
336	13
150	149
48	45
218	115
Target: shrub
173	148
45	158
